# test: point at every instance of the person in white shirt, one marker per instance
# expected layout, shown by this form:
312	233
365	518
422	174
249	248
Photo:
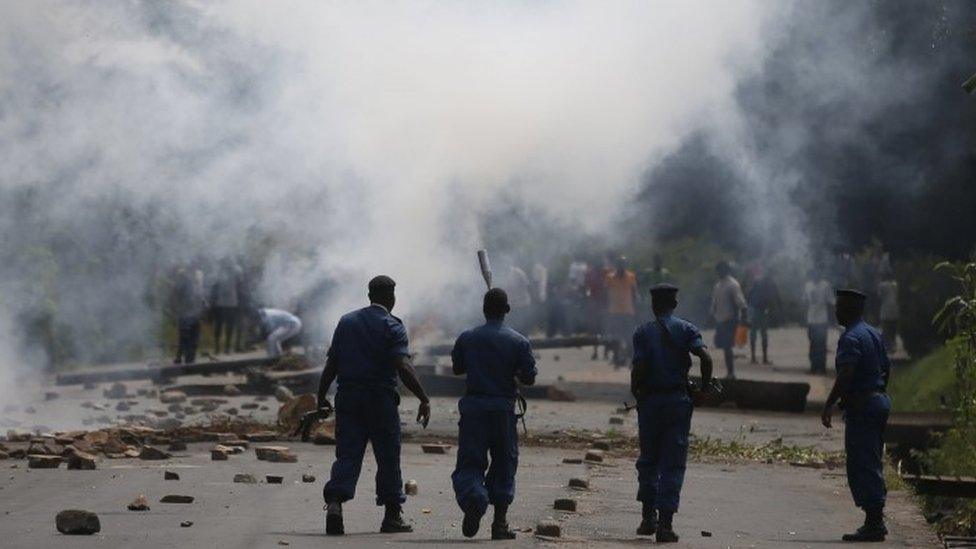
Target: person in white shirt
819	298
728	308
888	292
280	326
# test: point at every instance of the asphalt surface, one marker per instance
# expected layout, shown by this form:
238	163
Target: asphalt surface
741	504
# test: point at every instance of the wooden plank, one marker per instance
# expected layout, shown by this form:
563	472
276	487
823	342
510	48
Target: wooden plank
107	375
537	344
936	485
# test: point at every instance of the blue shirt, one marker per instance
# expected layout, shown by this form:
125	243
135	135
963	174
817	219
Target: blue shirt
493	356
861	347
667	367
365	346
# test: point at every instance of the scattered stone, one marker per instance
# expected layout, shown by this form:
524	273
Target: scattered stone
50	396
275	454
410	487
706	534
18	435
186	524
306	478
435	448
573	461
177	446
174	408
30	410
274	479
283	542
616	421
323	434
290	413
244	478
141	503
3	455
580	483
172	397
88	386
117	390
74	522
601	445
283	394
151	453
261	398
261	436
548	529
565	504
231	390
78	460
172	498
250	406
189	410
17	453
35	461
45	447
559	395
170	475
122	406
237	445
595	456
265	408
231	411
168	424
218	454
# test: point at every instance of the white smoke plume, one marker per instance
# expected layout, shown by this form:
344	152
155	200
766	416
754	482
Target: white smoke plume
364	137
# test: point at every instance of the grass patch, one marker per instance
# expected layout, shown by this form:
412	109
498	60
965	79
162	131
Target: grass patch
774	451
919	387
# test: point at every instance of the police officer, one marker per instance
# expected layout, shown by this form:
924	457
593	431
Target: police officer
368	353
493	356
862	376
659	382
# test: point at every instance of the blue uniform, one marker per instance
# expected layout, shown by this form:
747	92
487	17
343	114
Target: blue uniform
866	407
365	346
664	411
493	356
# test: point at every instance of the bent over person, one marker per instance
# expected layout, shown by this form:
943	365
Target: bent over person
493	356
659	382
369	350
862	377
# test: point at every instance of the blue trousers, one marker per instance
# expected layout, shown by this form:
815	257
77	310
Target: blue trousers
366	415
864	444
485	434
664	421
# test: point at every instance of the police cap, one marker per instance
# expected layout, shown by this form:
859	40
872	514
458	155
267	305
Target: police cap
852	294
663	290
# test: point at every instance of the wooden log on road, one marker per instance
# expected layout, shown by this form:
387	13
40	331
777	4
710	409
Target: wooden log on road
938	485
113	374
537	344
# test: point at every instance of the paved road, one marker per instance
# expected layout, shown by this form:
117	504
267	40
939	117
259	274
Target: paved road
741	505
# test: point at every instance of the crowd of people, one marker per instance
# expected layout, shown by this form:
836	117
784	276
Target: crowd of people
605	296
225	297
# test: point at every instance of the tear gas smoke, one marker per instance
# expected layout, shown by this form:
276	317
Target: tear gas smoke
342	139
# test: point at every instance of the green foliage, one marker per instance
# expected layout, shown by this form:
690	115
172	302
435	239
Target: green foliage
921	293
920	386
774	451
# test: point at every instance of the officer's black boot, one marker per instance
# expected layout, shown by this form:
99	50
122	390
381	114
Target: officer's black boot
333	519
499	526
665	529
393	520
874	528
471	522
648	525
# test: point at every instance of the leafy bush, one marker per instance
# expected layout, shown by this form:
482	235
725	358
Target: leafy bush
921	293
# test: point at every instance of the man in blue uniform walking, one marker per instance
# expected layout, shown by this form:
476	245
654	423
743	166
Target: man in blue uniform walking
659	381
493	356
862	377
369	351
